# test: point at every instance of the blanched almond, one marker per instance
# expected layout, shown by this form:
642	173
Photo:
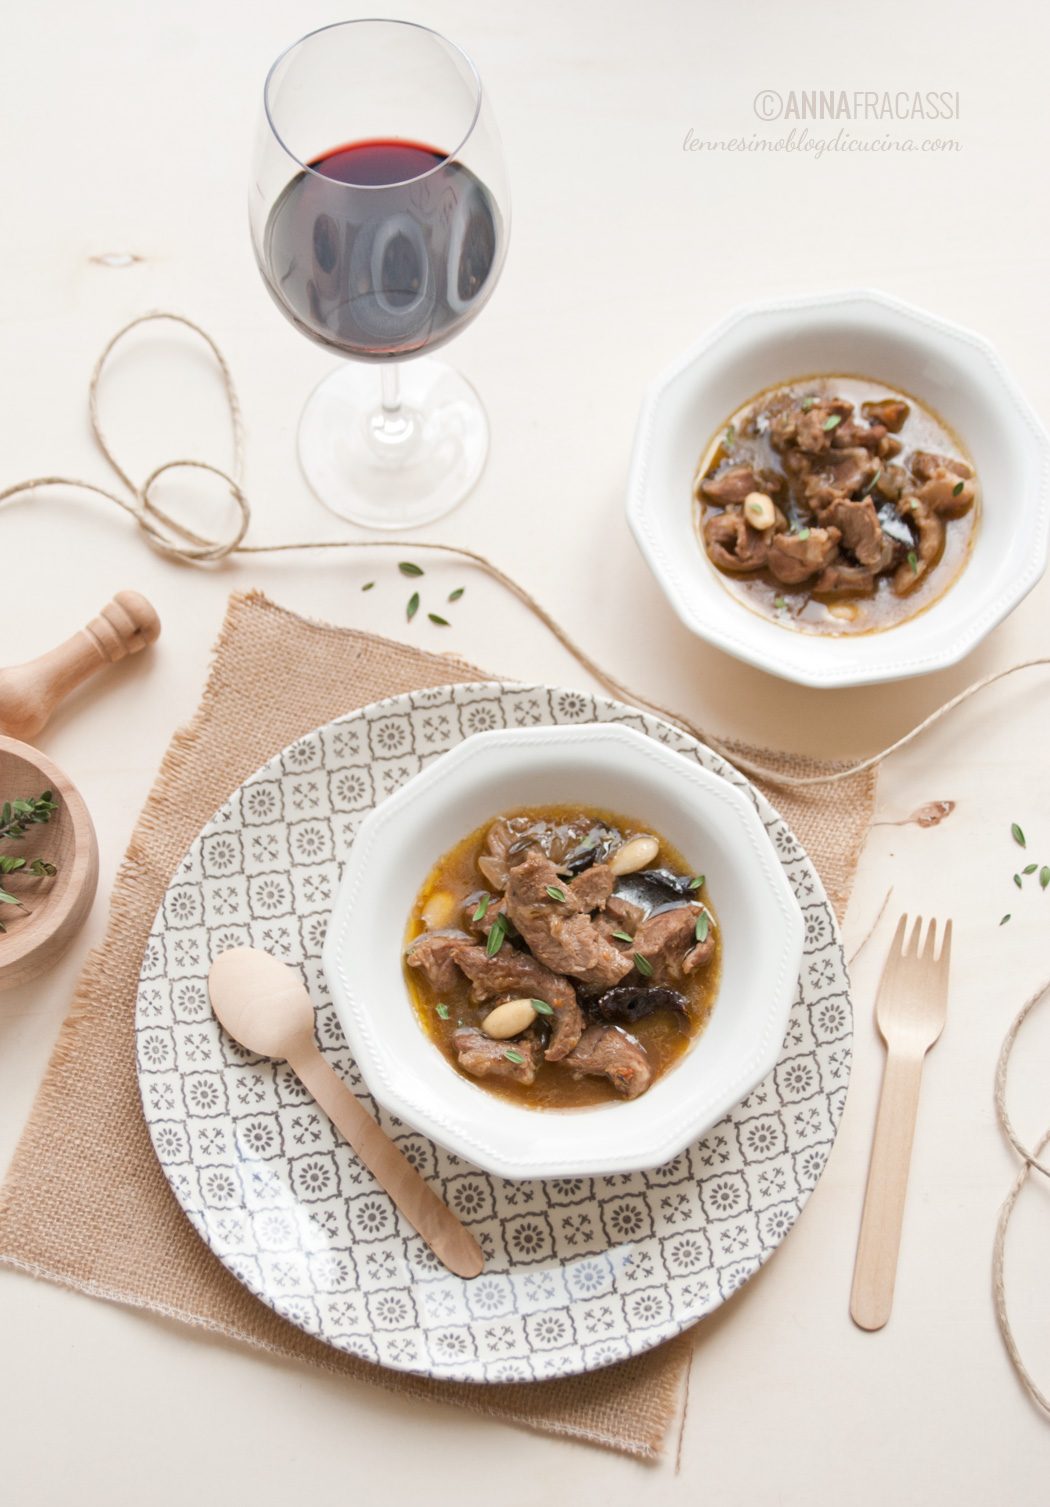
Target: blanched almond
634	855
439	911
759	510
509	1019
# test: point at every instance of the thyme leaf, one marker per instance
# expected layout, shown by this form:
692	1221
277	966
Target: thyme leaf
497	932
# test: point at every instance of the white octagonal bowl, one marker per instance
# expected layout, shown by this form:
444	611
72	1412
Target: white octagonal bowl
863	334
607	765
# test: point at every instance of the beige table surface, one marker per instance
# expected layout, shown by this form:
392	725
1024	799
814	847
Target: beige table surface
127	129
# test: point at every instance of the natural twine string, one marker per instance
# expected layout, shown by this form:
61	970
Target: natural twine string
175	540
1030	1162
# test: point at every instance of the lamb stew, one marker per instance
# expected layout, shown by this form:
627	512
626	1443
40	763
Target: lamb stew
563	957
835	505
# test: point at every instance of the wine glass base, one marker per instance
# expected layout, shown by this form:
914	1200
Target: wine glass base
397	480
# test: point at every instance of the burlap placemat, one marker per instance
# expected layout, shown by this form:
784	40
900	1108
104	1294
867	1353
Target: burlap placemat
85	1202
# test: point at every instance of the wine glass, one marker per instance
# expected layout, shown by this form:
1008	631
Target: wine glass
379	217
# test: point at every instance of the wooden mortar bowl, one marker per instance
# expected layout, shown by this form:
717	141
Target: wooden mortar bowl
59	905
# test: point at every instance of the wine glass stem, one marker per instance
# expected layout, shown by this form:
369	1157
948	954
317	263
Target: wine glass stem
392	428
391	380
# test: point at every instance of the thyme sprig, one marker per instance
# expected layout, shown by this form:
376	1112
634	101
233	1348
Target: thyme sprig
16	818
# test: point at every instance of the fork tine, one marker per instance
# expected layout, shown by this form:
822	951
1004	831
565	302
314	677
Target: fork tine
898	946
911	946
929	943
946	945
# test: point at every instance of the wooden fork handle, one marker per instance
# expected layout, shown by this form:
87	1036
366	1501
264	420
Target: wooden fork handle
424	1210
875	1270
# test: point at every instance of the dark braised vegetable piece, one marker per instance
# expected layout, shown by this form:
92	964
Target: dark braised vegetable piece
596	847
630	1002
651	888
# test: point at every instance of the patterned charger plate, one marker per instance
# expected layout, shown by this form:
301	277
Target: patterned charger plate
579	1272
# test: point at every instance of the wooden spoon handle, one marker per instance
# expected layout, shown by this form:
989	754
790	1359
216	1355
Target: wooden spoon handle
418	1202
880	1228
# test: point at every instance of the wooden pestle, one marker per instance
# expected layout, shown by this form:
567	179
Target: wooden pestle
29	693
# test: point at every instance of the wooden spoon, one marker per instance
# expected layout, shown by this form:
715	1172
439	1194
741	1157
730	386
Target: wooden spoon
262	1004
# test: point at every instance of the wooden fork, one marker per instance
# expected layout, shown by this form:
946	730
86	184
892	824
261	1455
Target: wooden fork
909	1011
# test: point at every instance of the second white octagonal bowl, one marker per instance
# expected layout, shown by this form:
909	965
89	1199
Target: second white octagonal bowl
719	832
863	334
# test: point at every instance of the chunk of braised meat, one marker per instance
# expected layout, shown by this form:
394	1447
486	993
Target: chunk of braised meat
699	954
591	889
794	558
619	916
735	482
837	475
482	1057
804	425
841	577
667	941
734	545
511	972
861	532
556	931
928	549
893	482
856	433
436	955
609	1052
625	913
892	413
948	487
480	926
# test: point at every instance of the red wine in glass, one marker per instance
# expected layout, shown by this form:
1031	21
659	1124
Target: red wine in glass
383	248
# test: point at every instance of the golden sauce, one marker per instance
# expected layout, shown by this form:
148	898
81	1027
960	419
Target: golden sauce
665	1035
797	607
